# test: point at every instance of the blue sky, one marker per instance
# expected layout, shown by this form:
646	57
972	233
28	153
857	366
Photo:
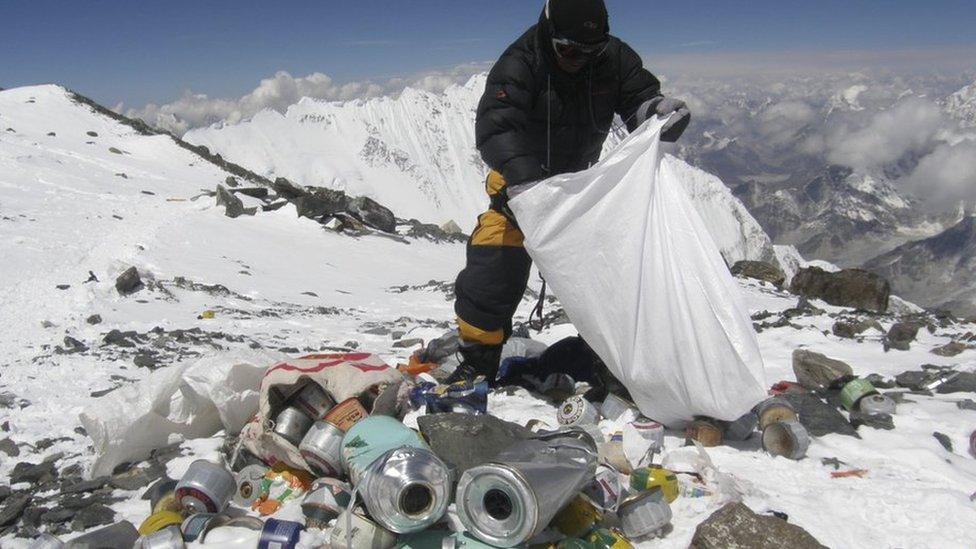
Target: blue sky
142	51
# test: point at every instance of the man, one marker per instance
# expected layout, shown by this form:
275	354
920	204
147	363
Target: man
547	108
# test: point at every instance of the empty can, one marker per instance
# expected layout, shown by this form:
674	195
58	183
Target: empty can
280	534
655	477
205	488
854	391
166	538
604	491
354	531
644	513
649	430
313	400
197	524
249	485
704	430
786	438
877	404
608	538
322	449
346	414
292	424
325	501
614	407
774	409
159	520
577	411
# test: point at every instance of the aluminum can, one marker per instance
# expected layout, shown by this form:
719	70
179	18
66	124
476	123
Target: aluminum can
354	531
655	477
280	534
322	449
313	401
877	404
346	414
507	502
196	525
161	496
159	520
705	431
644	513
604	491
855	389
166	538
325	501
205	488
576	411
651	431
774	409
366	441
614	407
786	438
742	428
292	424
577	517
608	538
249	485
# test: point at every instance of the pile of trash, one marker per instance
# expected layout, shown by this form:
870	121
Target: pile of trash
330	436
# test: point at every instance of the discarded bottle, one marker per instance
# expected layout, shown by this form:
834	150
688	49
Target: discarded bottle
774	409
205	488
854	391
576	411
508	501
786	438
644	513
655	477
405	487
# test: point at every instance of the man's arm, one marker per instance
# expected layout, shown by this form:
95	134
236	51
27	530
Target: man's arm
641	98
503	113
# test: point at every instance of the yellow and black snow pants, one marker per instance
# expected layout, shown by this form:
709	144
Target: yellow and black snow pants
493	281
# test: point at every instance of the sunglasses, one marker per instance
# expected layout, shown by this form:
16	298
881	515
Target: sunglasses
571	49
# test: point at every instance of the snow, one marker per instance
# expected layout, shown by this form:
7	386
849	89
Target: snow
58	196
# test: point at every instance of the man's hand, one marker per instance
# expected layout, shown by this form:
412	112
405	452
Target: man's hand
675	109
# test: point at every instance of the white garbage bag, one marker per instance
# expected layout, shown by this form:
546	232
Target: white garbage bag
632	263
173	404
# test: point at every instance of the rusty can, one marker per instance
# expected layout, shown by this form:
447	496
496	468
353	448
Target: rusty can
786	438
577	517
704	430
322	449
774	409
292	424
577	411
346	414
313	400
205	488
644	513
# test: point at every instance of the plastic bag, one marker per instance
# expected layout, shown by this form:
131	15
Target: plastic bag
633	264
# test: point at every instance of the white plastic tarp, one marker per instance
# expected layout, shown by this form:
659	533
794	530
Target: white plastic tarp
632	263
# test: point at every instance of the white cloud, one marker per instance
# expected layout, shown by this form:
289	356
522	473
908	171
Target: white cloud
909	126
946	177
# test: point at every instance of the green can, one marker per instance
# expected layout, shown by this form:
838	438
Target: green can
372	437
854	391
574	543
604	538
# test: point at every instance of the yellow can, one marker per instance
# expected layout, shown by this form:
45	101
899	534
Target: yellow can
608	538
159	520
577	518
647	478
168	503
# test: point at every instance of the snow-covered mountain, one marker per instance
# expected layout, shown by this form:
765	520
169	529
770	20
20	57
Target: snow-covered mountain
961	105
938	272
416	154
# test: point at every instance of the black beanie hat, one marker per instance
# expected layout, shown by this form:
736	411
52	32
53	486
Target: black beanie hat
584	21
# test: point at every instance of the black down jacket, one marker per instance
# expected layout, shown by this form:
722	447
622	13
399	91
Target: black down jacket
526	93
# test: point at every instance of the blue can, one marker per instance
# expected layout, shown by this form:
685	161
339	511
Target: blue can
280	534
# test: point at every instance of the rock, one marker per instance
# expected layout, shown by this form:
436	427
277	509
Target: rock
122	534
911	379
814	370
735	525
760	271
92	516
121	339
451	227
72	345
963	382
34	473
817	416
875	421
254	192
287	189
114	150
852	329
901	335
58	516
84	486
231	181
847	288
129	281
136	477
943	440
879	382
409	342
91	134
320	202
4	493
145	360
372	213
13	507
466	440
233	206
94	319
952	348
966	404
9	447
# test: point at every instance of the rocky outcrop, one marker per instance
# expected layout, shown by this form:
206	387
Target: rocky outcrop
760	271
846	288
736	526
815	371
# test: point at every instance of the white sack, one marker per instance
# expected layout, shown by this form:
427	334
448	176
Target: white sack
217	392
633	265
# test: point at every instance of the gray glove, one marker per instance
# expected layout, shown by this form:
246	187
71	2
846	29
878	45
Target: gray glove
675	109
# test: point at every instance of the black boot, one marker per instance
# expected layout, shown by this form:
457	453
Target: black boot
477	360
